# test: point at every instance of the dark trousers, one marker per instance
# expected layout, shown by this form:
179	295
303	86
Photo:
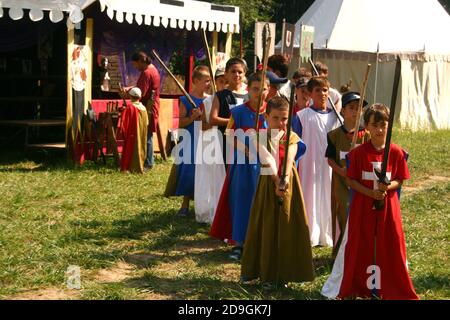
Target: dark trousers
150	160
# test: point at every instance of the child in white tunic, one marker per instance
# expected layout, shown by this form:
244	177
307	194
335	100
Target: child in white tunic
209	168
312	125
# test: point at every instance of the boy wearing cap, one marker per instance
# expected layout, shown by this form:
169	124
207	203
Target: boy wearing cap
339	144
149	84
276	84
221	81
134	128
279	65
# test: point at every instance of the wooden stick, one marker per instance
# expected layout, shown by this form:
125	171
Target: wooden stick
241	36
112	140
360	106
263	75
287	165
186	94
205	43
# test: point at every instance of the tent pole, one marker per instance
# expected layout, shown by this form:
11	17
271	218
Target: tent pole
282	36
214	49
299	46
241	36
255	67
376	74
69	114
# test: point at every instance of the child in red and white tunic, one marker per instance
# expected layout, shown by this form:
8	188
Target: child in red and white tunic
371	261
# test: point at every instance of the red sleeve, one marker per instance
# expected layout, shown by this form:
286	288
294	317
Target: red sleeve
154	79
353	170
143	83
401	171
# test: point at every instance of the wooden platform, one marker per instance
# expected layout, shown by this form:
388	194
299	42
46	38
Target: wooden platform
47	146
34	123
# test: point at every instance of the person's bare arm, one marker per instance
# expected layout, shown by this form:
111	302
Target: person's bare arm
187	120
205	124
337	168
374	194
214	118
396	184
123	92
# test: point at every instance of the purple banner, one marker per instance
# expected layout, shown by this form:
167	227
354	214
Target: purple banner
123	39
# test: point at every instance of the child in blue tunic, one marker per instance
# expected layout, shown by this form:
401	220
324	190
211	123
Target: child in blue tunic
232	214
185	169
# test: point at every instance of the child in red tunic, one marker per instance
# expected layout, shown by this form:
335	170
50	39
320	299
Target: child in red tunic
134	128
372	258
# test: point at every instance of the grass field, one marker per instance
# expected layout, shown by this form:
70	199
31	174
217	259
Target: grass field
128	243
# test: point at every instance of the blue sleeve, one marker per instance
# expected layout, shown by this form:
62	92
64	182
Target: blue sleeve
301	150
297	126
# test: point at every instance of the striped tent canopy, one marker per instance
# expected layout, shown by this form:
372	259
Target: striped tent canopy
181	14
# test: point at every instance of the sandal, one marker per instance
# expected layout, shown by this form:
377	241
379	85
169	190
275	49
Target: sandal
183	212
236	253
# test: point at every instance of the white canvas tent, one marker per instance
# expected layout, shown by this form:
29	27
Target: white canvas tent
37	8
348	33
182	14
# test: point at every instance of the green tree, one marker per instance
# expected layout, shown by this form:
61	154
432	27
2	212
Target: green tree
251	11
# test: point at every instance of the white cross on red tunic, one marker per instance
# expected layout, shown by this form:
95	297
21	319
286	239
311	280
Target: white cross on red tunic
371	176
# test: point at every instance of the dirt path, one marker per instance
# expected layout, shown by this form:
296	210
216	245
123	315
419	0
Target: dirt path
419	186
47	294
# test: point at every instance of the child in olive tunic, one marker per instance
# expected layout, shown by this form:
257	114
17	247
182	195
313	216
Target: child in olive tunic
277	247
339	145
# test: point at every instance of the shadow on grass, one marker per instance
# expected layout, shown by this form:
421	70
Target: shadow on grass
13	159
432	282
323	265
205	280
177	244
209	288
204	253
16	160
156	231
164	223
